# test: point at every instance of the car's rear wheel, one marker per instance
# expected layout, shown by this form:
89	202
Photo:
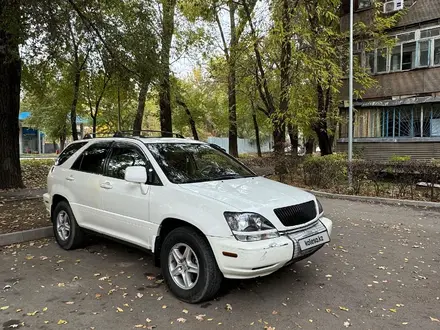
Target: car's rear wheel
189	266
66	230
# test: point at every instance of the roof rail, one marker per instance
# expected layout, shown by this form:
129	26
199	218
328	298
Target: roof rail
138	133
133	134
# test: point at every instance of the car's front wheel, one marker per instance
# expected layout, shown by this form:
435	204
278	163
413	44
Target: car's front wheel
66	230
189	266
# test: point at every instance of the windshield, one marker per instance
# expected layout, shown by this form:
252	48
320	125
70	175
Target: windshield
189	162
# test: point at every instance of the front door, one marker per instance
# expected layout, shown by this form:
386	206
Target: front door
126	205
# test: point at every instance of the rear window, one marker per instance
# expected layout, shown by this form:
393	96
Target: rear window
68	152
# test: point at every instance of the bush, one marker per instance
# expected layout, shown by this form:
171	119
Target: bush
326	171
396	178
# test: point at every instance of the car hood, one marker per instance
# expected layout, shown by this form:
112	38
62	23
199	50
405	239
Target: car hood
256	194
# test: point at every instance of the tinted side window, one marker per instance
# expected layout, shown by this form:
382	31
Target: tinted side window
92	159
68	152
123	156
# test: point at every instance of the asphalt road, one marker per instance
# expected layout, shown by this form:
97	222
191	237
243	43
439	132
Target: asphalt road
380	271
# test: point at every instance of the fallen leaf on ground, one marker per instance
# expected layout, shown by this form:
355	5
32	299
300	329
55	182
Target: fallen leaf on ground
119	309
61	285
3	308
228	307
139	326
393	310
164	306
148	320
44	309
139	295
433	319
342	308
69	302
200	317
32	313
346	324
181	320
62	322
185	311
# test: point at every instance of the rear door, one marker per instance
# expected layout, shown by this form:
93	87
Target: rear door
127	205
83	183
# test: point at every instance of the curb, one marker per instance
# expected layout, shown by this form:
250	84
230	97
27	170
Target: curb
377	200
25	235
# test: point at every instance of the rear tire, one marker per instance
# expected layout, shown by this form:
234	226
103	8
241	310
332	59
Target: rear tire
196	278
65	228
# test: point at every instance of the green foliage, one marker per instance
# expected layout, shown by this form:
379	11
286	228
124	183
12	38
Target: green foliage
399	158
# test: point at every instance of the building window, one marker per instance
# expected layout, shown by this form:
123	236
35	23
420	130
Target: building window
370	61
396	58
364	4
430	33
382	60
415	49
410	121
408	56
437	52
424	53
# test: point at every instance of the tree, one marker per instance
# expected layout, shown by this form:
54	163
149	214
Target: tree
168	8
10	72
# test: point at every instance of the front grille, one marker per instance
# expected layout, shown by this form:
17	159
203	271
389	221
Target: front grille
296	214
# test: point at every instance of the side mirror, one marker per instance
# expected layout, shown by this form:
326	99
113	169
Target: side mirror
136	174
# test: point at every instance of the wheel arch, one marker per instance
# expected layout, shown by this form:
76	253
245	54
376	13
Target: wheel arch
166	226
56	199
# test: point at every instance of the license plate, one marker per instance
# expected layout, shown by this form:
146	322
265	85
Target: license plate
315	240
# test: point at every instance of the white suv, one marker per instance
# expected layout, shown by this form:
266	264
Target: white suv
201	212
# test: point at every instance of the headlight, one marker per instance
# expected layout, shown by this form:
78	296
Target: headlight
249	227
320	208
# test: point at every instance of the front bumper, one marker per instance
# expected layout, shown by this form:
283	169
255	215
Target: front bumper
255	259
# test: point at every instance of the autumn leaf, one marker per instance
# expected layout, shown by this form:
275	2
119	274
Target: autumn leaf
139	326
119	309
164	306
228	307
139	295
44	309
4	308
185	311
393	310
69	302
60	285
346	324
342	308
433	319
200	317
62	322
97	296
32	313
148	320
181	320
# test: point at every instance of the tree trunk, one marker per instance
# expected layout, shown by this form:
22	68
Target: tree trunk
137	125
168	8
294	142
320	127
279	137
192	123
310	146
119	108
232	95
257	133
94	125
10	77
75	103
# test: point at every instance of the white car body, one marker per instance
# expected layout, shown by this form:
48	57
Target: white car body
134	213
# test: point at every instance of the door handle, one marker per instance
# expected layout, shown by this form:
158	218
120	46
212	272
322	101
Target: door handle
106	185
70	178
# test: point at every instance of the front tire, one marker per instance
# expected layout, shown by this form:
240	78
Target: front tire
66	230
189	266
